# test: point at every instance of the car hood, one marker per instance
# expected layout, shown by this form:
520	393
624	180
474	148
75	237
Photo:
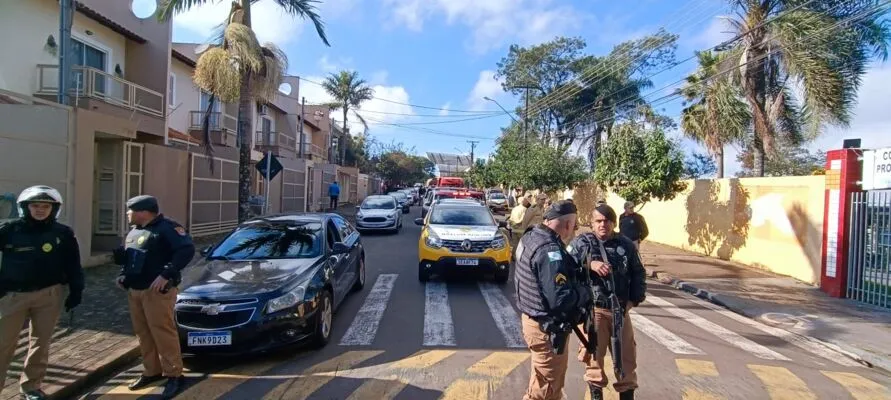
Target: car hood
460	232
222	278
376	213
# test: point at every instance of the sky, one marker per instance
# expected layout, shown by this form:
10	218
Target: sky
431	63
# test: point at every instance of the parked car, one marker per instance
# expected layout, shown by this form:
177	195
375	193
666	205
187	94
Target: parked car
379	212
271	282
403	201
497	202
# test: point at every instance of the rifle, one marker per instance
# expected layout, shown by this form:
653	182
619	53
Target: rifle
618	318
588	321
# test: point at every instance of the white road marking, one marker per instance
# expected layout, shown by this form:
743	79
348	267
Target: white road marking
506	318
811	345
673	342
439	329
725	334
364	327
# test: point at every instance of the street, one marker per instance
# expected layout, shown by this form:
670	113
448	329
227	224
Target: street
401	339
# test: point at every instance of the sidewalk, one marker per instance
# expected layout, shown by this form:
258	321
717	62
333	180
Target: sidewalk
859	331
98	340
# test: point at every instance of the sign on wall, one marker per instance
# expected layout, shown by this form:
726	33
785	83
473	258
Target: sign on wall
877	169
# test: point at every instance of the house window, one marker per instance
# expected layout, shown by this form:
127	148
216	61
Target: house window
89	56
267	131
171	91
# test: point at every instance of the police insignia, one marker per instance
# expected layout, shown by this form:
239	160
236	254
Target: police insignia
555	256
180	230
569	248
621	251
141	240
560	279
47	248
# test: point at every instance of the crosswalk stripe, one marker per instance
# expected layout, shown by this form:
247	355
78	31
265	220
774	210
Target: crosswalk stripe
438	326
803	342
218	384
390	386
859	387
364	327
316	376
718	330
663	336
506	318
781	384
488	374
697	373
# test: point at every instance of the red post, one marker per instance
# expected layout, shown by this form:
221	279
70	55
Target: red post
843	171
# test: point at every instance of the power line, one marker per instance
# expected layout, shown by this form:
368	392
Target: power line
430	131
450	122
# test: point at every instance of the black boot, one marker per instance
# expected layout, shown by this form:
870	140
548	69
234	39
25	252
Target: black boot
172	387
144	381
627	395
596	392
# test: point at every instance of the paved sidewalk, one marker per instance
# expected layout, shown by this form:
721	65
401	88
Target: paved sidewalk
99	338
860	331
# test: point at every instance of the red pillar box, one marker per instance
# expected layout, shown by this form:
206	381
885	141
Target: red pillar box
843	171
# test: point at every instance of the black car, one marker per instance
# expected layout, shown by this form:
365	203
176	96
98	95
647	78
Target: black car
272	281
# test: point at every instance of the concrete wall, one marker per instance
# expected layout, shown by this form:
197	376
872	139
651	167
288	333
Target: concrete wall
167	178
771	223
187	97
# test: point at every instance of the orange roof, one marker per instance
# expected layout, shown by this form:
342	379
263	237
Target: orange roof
175	134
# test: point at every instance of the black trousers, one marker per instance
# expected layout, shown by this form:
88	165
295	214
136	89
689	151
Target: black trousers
333	203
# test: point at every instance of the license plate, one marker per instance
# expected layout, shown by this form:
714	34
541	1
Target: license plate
467	261
210	339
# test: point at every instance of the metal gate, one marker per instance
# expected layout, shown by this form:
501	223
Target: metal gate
213	196
119	175
293	190
869	248
310	188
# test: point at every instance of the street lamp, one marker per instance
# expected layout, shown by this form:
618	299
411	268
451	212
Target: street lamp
525	125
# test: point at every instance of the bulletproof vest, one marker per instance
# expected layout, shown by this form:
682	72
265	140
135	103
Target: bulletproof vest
617	256
146	254
529	297
32	257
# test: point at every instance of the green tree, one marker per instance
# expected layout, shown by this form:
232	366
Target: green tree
825	45
401	168
640	165
790	159
534	164
349	92
716	115
239	69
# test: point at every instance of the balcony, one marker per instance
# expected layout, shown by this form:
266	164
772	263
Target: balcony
313	152
223	127
105	93
278	143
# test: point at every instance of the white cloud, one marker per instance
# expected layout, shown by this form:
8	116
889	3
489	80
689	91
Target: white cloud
494	22
328	65
375	110
718	31
486	86
270	22
446	109
379	77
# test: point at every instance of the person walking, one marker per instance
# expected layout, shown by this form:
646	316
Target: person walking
154	254
609	253
40	256
633	225
334	194
551	298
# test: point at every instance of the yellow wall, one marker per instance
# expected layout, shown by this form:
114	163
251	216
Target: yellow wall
771	223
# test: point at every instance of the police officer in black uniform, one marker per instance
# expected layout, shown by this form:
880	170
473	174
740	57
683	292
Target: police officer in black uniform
628	283
156	250
550	297
40	256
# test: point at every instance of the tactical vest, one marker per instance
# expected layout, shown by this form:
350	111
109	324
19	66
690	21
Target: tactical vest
32	257
529	297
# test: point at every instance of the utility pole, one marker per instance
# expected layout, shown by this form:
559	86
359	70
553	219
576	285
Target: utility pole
302	136
66	17
526	119
472	147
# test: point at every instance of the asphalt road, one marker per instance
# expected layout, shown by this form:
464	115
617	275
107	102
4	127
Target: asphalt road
401	339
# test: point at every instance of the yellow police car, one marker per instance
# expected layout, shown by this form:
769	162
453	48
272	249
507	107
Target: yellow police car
462	237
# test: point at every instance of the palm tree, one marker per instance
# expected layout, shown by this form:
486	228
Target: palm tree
239	68
823	44
349	92
717	115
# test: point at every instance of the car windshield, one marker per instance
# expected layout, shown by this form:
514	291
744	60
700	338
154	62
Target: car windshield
271	240
398	195
496	196
378	203
461	216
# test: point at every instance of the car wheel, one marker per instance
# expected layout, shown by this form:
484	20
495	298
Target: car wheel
324	319
360	280
502	277
423	275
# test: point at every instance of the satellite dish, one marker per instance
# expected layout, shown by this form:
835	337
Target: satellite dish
201	48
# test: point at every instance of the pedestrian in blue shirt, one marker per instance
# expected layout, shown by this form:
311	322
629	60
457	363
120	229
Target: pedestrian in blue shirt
334	193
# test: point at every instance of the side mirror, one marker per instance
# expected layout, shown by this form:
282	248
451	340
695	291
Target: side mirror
419	221
205	251
502	224
358	208
340	248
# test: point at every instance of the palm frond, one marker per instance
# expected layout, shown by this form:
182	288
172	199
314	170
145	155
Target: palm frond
217	74
243	46
361	119
269	78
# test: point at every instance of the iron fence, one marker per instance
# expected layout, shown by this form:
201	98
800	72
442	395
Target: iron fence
869	249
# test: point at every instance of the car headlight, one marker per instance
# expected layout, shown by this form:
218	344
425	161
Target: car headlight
499	242
391	216
433	241
359	216
290	299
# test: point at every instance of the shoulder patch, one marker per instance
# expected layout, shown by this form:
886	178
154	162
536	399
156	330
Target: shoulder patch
560	279
620	250
180	230
555	256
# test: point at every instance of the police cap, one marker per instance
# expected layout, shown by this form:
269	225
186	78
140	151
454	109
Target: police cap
143	203
559	209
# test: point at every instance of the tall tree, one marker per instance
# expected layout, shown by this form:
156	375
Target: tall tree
349	92
239	68
790	159
717	115
825	45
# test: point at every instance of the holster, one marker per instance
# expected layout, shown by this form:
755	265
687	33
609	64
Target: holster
558	335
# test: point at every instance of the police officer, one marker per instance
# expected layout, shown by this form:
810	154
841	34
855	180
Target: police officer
40	255
155	251
623	262
550	297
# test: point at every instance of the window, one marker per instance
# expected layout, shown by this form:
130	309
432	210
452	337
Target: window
271	240
473	216
378	203
89	56
171	91
344	227
333	235
203	102
266	129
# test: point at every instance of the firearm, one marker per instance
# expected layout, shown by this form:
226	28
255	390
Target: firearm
557	335
588	315
618	318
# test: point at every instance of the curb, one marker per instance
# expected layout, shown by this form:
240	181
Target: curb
864	358
82	383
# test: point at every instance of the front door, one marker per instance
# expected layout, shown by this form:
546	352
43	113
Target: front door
118	176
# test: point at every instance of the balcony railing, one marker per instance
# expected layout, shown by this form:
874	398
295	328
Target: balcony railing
313	150
92	83
272	138
218	121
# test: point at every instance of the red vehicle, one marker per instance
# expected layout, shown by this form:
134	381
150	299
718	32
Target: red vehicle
446	181
464	194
